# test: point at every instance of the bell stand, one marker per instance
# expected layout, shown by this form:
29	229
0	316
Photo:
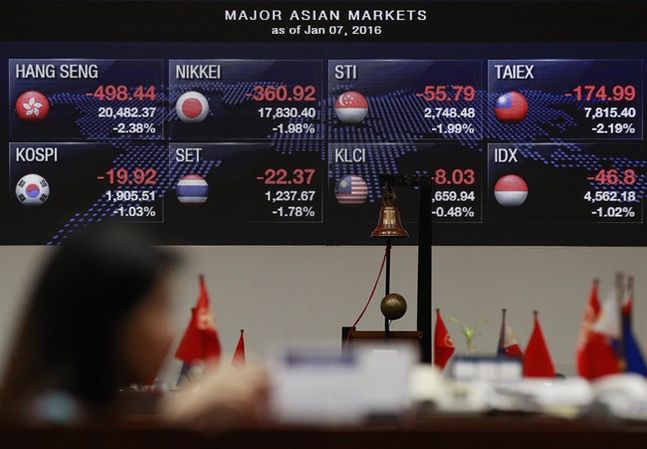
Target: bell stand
387	286
424	300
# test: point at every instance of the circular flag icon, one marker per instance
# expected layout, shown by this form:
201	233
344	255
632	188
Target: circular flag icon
351	107
32	106
32	190
511	191
351	189
192	107
192	189
511	107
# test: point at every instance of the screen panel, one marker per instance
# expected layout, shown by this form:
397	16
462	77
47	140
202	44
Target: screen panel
246	133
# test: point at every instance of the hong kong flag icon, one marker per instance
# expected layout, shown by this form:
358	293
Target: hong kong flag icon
32	106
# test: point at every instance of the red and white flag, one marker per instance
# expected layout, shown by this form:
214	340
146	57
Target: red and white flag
443	344
598	356
591	314
508	344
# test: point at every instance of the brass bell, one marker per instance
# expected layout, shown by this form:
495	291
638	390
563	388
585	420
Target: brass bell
388	222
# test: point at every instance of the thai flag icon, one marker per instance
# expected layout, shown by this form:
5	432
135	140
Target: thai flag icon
192	189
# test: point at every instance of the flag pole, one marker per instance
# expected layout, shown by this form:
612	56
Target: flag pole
502	332
433	356
630	295
387	285
424	303
620	287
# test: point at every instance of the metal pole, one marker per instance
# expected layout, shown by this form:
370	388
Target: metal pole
424	271
387	284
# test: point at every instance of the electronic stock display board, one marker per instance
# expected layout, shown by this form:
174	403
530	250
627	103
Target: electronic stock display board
209	123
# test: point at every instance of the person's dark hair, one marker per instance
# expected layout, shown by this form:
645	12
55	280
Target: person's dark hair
68	337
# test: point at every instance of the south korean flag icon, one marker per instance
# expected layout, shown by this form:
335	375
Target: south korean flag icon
32	190
192	107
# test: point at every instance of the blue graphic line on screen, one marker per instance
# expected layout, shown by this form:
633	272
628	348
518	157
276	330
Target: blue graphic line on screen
566	155
97	129
546	118
134	154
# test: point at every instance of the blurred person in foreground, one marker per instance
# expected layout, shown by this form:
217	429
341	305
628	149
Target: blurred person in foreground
98	320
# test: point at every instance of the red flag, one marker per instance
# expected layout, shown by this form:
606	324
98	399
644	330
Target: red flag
591	314
443	344
239	353
200	340
537	361
599	357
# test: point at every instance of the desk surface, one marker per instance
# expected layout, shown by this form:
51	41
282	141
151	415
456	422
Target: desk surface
439	432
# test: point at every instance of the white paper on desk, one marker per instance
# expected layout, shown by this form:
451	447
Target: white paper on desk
315	385
386	385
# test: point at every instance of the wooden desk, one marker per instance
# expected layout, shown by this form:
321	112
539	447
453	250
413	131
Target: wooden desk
438	432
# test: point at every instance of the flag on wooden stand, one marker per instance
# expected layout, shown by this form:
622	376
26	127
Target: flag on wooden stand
443	344
508	344
537	361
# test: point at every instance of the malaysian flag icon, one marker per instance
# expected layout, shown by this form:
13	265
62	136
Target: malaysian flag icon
351	189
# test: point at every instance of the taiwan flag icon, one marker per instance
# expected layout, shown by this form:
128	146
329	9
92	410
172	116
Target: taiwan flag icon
511	107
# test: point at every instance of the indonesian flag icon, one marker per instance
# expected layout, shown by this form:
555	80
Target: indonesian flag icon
32	106
511	107
192	107
511	191
351	107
